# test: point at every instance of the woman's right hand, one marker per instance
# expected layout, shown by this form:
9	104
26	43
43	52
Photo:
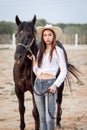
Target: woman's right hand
30	57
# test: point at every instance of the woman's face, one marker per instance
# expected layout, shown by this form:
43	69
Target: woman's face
48	37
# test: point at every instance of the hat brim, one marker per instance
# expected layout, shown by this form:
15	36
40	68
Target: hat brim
57	31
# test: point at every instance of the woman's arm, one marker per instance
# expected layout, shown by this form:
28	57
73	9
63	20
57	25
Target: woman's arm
32	57
63	68
36	69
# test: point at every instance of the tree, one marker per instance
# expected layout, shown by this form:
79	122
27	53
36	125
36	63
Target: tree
41	22
7	27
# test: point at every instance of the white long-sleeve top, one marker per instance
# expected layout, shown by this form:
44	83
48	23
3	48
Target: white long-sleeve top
52	67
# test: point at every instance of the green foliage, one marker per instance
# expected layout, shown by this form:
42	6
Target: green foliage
7	27
73	28
10	27
67	28
61	25
41	22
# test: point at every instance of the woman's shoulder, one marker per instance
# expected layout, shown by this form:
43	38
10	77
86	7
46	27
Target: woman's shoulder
58	49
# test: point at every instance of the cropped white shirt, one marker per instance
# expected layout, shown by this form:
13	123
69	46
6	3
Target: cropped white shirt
52	67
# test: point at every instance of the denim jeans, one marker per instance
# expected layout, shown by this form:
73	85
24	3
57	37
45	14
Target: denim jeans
40	86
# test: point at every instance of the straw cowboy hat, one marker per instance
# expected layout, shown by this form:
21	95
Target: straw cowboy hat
57	31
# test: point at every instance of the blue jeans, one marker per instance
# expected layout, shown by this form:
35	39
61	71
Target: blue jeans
40	86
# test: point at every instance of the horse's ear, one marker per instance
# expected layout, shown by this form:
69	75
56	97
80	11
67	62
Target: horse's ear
33	21
17	20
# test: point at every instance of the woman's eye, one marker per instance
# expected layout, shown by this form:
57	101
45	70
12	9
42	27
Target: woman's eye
44	35
50	34
47	35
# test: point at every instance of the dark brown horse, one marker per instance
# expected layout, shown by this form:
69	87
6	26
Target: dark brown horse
26	42
22	71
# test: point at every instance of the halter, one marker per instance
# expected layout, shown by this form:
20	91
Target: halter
27	47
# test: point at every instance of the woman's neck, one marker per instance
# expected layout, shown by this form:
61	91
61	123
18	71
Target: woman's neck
48	47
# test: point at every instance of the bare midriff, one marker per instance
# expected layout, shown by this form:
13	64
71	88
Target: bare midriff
46	76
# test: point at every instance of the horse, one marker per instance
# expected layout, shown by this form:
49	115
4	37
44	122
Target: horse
26	44
25	40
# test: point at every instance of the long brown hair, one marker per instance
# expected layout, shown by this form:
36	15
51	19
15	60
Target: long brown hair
43	48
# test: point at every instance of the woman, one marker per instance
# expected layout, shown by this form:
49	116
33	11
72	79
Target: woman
49	60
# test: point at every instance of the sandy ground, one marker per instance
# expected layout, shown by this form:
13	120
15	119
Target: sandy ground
74	105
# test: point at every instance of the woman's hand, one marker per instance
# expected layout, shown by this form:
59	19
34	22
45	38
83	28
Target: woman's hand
52	89
32	57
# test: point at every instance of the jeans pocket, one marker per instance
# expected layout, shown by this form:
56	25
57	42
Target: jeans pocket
49	82
37	87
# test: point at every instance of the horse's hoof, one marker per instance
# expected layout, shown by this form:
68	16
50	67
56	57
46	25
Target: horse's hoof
59	125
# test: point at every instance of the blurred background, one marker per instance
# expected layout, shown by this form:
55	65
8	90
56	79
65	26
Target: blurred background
71	17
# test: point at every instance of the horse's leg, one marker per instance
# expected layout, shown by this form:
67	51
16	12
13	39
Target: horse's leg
59	101
35	115
20	96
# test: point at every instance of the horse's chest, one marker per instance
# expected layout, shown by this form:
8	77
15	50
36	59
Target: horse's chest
24	80
25	76
24	84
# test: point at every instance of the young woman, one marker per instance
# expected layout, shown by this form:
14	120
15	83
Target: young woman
49	60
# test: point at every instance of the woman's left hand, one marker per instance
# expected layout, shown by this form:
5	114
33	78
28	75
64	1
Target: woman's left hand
52	89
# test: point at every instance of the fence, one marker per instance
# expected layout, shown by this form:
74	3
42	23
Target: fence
67	40
74	39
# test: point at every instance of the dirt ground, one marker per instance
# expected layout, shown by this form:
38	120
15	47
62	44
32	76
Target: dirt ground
74	105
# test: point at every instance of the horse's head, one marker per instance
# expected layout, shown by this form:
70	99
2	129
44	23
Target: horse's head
25	39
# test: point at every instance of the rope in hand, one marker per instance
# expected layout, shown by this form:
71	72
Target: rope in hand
40	94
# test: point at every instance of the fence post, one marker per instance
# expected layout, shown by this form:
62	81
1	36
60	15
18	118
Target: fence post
13	41
76	40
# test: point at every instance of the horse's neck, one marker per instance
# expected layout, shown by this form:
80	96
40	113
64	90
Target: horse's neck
26	65
25	70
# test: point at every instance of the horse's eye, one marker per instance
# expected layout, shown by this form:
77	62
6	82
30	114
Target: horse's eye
29	35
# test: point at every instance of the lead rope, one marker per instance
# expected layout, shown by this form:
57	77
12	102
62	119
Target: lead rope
49	107
40	94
